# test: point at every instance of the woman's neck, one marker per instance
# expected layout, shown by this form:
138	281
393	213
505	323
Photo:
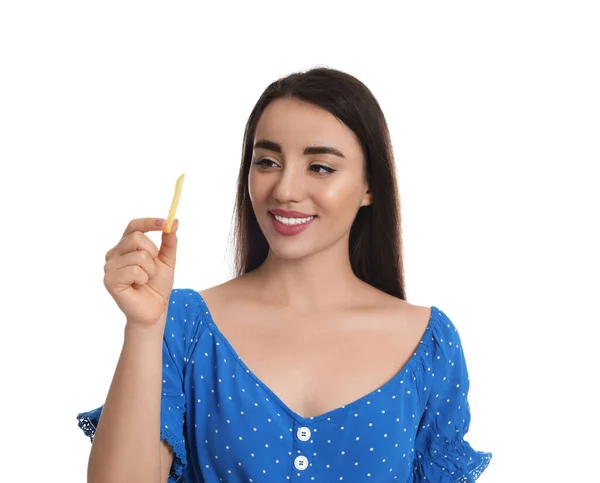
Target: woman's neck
317	283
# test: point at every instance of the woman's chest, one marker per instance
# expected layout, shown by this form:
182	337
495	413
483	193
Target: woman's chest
238	419
312	370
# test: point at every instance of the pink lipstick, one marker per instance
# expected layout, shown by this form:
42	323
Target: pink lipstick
290	223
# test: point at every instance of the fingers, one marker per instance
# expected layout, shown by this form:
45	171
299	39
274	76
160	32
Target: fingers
144	225
141	259
131	243
125	277
168	248
136	249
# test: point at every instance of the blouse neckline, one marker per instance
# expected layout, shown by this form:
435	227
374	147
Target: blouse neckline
406	369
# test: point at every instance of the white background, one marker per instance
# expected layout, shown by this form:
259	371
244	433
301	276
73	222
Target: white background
494	110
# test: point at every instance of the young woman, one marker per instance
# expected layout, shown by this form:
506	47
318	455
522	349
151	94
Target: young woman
310	365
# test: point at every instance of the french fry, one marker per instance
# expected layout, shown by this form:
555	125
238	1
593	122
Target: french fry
174	203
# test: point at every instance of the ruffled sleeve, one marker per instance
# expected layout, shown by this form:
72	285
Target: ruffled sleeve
442	454
182	330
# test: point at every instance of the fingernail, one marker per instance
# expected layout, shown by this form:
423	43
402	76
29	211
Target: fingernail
175	225
159	221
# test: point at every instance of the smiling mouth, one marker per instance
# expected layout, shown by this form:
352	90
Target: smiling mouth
292	221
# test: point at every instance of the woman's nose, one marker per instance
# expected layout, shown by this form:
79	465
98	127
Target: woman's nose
290	185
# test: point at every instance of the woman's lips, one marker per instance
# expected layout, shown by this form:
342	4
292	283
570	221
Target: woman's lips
290	230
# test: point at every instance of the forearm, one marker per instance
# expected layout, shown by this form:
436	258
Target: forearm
126	446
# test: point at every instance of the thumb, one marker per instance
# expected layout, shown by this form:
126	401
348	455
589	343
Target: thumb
168	247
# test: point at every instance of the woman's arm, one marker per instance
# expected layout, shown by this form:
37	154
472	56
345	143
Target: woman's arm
166	460
442	453
127	446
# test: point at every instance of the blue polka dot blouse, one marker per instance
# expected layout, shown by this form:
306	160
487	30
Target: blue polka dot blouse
225	425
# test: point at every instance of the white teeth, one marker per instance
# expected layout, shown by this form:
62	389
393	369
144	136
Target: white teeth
292	221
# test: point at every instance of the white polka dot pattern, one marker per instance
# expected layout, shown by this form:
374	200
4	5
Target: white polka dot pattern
226	425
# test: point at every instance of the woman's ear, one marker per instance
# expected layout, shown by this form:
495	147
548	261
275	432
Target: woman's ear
367	198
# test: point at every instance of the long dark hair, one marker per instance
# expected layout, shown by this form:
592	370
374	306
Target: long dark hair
375	236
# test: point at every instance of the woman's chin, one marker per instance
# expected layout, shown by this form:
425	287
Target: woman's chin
288	250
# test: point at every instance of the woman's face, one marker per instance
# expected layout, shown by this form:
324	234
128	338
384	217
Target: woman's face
306	180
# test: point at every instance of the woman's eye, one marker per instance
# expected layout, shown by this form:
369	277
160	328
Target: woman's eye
265	163
321	169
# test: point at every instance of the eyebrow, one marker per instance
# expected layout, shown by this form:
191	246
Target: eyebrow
272	146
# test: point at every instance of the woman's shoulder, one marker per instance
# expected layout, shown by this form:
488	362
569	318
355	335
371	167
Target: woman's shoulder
430	327
414	319
186	315
421	318
222	290
223	294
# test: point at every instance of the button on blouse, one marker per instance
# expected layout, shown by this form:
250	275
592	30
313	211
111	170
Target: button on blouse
224	424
